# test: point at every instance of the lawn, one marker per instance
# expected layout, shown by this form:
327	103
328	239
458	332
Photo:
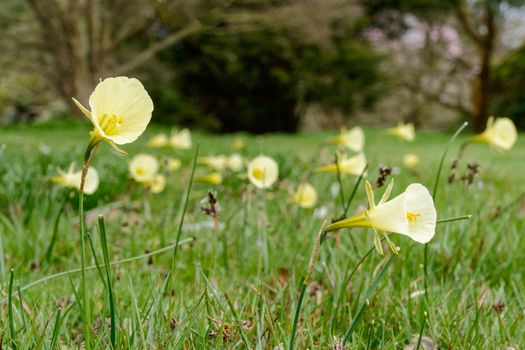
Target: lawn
238	286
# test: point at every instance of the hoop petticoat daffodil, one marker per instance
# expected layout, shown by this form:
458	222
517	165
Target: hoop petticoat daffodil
120	110
403	131
158	141
353	139
235	162
347	166
263	172
412	213
305	196
180	139
157	183
500	133
215	162
213	178
72	179
143	168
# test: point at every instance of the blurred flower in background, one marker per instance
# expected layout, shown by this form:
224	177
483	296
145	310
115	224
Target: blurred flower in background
347	166
305	195
353	139
72	178
263	172
143	167
411	160
158	141
403	131
500	133
213	178
180	139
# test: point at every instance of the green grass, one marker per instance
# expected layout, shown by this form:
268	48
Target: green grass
220	295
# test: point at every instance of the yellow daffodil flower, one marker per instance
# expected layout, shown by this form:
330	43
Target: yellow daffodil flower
305	195
347	166
500	133
158	141
238	143
172	164
213	178
411	160
403	131
353	139
180	139
215	162
235	162
263	172
143	168
157	183
72	179
412	214
120	110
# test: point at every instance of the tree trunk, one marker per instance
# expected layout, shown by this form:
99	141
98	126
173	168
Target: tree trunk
481	87
481	93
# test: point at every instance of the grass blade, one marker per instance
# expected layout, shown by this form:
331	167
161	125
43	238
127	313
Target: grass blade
56	330
12	332
184	208
369	294
105	253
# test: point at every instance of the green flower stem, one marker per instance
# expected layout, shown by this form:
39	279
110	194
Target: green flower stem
90	153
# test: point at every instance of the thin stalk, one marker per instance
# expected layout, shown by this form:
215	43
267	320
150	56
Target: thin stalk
105	253
92	247
370	331
85	297
56	224
420	337
440	168
93	267
345	283
434	192
22	312
340	181
452	219
56	330
306	281
184	208
356	186
369	294
297	314
12	332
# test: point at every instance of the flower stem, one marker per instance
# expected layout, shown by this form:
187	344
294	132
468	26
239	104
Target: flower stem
85	297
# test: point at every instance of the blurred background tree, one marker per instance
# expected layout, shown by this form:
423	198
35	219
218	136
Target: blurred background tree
260	73
269	65
459	41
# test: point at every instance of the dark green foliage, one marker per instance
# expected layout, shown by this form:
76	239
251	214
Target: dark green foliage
508	88
259	80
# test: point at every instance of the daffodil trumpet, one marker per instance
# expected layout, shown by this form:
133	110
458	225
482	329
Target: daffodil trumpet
411	213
